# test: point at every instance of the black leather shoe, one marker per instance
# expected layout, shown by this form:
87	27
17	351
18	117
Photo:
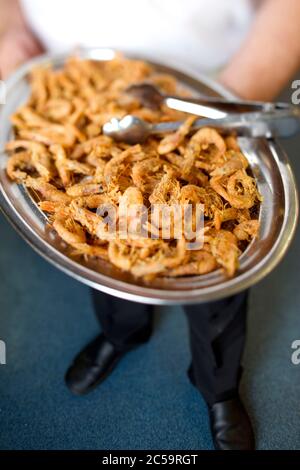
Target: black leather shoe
231	426
92	365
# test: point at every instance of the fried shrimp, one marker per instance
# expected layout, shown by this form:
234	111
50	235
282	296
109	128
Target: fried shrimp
147	173
46	190
84	189
71	232
199	262
172	141
225	250
60	159
163	257
117	170
191	194
145	208
94	251
167	191
208	137
18	166
234	161
239	189
242	190
84	216
247	230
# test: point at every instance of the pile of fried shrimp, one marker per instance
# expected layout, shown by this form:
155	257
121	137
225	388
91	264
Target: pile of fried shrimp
71	168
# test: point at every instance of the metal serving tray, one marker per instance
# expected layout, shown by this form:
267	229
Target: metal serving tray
270	166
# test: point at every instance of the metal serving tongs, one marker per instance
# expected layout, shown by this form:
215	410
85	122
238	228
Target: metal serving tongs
247	118
269	124
205	106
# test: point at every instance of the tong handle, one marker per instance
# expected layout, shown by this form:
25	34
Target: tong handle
278	123
217	108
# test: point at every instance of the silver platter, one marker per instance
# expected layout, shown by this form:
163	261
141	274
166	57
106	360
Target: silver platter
278	212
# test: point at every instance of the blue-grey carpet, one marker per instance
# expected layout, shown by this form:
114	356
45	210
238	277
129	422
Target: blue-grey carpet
147	403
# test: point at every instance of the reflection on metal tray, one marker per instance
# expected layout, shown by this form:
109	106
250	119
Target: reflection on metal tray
278	212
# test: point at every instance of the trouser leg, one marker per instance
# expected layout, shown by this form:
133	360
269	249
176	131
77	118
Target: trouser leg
217	337
124	323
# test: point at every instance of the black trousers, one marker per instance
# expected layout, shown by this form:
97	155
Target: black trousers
217	336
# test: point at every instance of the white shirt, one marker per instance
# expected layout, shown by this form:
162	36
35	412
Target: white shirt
200	33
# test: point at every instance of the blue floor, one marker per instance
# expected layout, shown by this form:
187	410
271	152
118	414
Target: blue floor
148	403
